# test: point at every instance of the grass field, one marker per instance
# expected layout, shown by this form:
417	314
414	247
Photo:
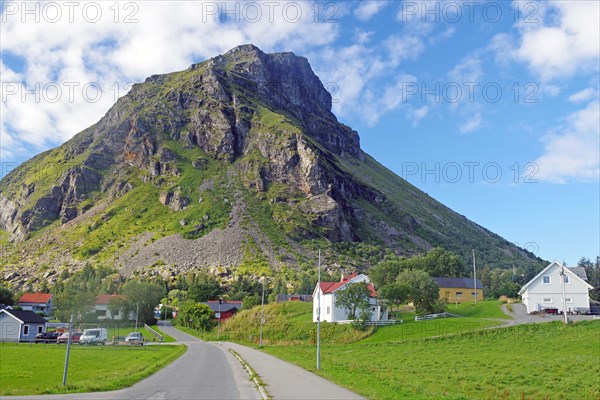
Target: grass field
534	361
38	368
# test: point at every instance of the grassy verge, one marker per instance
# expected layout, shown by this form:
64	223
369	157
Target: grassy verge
534	361
483	309
37	369
167	338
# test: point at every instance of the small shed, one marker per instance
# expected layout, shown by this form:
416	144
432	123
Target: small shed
20	325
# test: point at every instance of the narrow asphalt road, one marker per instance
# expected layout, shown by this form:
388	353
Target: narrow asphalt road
205	371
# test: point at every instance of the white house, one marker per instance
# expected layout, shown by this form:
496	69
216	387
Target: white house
325	293
545	290
103	309
36	302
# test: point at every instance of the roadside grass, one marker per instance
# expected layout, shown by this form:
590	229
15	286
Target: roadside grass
533	361
284	323
30	369
167	338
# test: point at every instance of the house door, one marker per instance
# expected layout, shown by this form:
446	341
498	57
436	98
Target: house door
447	296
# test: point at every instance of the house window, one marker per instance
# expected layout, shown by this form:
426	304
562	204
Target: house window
39	329
458	294
567	279
101	313
547	300
569	299
546	280
25	329
328	310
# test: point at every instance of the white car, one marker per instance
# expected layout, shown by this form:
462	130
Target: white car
94	336
135	337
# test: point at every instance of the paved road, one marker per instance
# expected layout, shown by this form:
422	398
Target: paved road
205	371
287	381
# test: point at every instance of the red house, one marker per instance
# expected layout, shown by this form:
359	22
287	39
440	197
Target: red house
224	309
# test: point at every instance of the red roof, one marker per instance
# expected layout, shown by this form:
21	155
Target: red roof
330	287
35	298
105	298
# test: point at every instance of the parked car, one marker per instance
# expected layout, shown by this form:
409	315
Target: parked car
46	337
94	336
135	338
65	337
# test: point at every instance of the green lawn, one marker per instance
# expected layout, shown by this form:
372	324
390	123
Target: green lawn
534	361
37	369
483	309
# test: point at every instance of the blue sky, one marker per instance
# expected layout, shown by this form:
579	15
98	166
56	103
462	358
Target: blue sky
491	107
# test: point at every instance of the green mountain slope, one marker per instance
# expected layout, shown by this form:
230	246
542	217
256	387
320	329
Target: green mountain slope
236	164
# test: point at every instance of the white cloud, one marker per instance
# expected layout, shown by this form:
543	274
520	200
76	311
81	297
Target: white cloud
571	151
473	123
583	95
166	37
368	9
565	45
418	114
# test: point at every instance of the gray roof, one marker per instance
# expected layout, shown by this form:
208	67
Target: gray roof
26	316
223	307
458	283
579	271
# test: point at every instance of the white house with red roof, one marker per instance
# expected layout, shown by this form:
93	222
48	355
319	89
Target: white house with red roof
36	302
103	311
325	293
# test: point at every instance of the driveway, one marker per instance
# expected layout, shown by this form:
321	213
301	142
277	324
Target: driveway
520	316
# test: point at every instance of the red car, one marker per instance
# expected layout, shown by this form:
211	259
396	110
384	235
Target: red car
65	337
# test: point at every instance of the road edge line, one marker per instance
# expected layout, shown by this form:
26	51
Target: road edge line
253	375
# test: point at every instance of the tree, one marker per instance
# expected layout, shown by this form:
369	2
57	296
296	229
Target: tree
354	297
393	294
386	271
592	270
438	262
143	296
195	315
6	296
121	306
204	287
420	289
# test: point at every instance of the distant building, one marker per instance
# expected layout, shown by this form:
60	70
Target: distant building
225	309
37	302
102	308
545	290
459	290
326	292
20	325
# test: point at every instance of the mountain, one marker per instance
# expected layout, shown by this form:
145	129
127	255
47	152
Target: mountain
236	164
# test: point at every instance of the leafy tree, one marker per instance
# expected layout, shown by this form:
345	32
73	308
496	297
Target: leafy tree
195	315
592	270
251	301
204	287
393	294
420	289
143	296
438	262
386	271
120	306
354	297
6	296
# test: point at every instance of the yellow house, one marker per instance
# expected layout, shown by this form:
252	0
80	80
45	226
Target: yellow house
459	290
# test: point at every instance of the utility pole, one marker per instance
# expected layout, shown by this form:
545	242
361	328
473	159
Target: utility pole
262	311
219	319
137	310
319	314
564	299
474	276
64	381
